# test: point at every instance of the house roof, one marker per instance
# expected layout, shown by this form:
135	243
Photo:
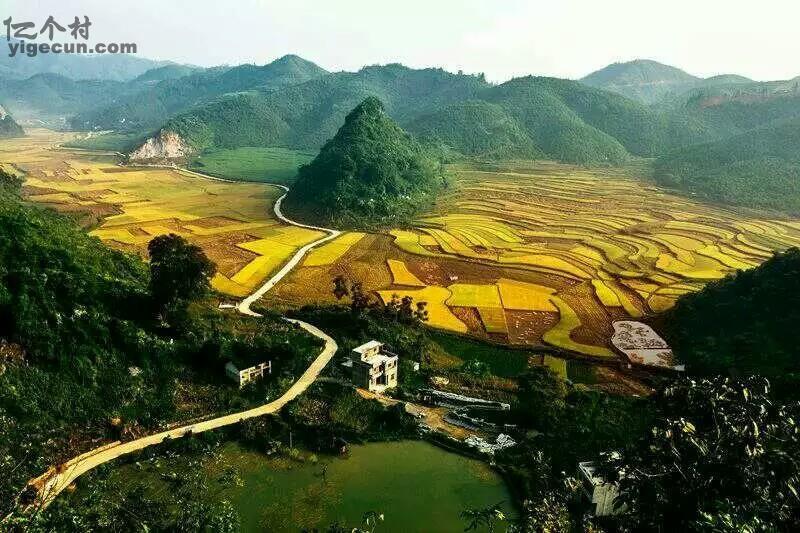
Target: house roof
367	346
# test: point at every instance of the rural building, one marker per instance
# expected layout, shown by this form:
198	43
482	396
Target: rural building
601	494
249	374
373	367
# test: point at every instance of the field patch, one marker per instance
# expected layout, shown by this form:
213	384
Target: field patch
401	275
328	253
128	206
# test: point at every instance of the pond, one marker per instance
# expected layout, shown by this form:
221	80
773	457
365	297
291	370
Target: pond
416	485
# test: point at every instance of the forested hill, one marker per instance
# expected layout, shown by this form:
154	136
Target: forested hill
743	324
644	80
370	174
8	127
141	110
759	168
525	117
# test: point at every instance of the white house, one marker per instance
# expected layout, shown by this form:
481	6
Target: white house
249	374
373	367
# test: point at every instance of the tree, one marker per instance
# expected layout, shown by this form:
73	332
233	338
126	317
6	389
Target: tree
488	517
340	287
179	272
10	180
541	399
720	453
359	299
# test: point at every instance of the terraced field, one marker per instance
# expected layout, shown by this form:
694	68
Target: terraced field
540	252
127	207
524	254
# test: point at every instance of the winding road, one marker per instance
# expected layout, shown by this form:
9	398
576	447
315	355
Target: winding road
56	479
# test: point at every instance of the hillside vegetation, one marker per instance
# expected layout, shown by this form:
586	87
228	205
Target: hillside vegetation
148	108
759	168
8	126
525	117
743	324
371	173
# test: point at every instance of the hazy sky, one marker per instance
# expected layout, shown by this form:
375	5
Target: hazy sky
503	38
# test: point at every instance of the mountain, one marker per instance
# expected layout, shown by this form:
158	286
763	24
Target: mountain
478	128
167	72
643	80
371	173
149	108
50	99
8	127
111	67
743	324
525	117
758	168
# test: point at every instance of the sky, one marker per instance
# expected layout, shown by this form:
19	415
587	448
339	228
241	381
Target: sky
502	38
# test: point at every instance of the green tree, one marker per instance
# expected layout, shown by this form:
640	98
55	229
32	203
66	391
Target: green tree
722	452
179	272
483	517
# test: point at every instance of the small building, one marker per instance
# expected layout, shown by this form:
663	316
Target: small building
373	367
249	374
601	494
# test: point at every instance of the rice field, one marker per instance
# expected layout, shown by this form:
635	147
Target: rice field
525	254
579	248
127	207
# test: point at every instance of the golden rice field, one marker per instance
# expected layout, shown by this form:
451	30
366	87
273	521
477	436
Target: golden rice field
127	207
524	253
534	253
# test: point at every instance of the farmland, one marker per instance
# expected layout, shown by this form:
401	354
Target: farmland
277	165
540	253
126	207
526	254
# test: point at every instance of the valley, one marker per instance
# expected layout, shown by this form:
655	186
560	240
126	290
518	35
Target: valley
523	253
281	297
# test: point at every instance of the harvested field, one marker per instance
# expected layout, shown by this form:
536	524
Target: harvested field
126	207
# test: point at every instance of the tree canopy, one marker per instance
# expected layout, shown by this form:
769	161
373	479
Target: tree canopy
370	173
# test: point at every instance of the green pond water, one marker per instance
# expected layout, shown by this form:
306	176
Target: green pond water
417	486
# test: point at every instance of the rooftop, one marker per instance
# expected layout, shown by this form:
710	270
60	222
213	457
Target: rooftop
367	346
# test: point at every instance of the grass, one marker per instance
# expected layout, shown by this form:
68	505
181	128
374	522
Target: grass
275	165
501	361
112	142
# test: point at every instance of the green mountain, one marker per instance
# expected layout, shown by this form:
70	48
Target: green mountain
371	173
743	324
727	109
525	117
8	127
477	128
167	72
50	99
758	168
149	108
642	80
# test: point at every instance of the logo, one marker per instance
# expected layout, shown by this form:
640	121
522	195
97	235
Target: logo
20	34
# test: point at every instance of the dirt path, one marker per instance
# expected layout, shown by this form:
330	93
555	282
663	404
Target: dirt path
56	479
